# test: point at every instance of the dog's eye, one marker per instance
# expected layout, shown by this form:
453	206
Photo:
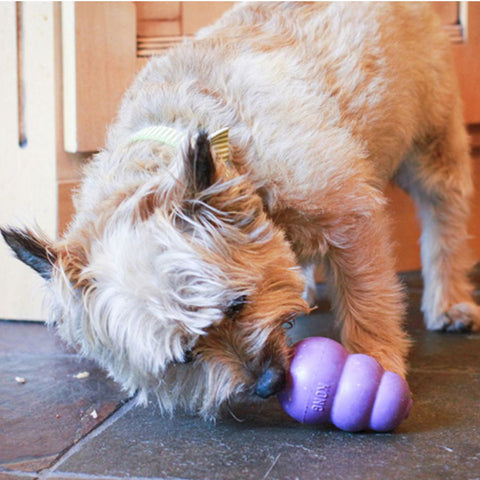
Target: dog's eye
188	357
236	307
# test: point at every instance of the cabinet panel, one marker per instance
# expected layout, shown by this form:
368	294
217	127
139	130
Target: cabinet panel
99	51
448	11
462	22
160	25
196	15
467	61
158	19
27	166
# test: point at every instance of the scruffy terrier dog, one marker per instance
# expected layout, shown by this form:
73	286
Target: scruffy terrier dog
183	262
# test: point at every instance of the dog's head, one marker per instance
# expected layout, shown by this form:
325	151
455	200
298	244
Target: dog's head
178	284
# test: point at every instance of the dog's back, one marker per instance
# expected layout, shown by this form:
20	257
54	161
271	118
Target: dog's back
317	82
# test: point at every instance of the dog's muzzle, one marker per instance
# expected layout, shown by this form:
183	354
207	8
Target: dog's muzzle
270	382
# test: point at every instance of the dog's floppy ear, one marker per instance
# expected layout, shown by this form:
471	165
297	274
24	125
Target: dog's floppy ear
33	249
201	167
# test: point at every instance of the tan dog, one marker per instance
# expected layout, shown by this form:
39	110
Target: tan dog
182	265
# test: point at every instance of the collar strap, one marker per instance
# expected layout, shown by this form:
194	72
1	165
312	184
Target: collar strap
159	133
174	138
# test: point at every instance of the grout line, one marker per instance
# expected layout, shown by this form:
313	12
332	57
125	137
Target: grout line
123	410
271	467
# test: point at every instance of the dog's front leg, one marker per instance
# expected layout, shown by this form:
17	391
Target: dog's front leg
366	295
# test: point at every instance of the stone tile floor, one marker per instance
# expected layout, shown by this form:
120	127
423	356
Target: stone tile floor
62	425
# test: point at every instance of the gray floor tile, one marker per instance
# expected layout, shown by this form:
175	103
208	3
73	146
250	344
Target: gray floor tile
29	337
41	420
52	410
440	439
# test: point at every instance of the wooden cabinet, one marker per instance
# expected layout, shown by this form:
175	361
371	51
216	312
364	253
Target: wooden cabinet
65	67
28	142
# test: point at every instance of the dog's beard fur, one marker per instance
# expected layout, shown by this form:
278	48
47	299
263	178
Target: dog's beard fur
154	276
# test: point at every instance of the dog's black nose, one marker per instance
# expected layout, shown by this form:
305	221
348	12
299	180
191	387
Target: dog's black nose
270	382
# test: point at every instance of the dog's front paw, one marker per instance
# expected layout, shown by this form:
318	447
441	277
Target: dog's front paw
462	317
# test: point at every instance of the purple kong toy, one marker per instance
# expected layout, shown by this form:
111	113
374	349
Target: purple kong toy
328	385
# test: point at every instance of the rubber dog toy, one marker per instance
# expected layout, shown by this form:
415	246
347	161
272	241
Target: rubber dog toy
353	392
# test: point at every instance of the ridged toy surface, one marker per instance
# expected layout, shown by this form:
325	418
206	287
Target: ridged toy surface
326	384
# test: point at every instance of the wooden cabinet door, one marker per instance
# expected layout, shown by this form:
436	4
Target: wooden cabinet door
99	63
161	25
462	22
467	59
27	140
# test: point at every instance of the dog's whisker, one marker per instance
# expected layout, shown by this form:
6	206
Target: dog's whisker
239	420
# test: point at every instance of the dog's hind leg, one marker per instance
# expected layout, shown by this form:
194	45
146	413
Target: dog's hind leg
438	177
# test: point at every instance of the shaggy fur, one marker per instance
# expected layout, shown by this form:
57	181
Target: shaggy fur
179	271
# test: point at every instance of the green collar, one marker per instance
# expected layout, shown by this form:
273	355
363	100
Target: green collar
174	138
